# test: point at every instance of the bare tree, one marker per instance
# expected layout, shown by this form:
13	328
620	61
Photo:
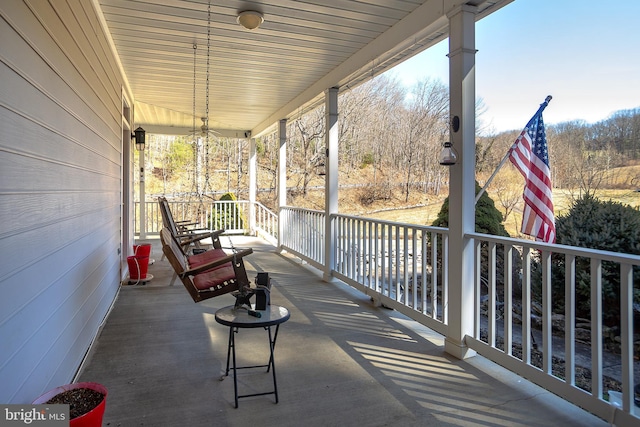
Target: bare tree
267	153
387	102
241	151
307	144
424	121
508	194
355	115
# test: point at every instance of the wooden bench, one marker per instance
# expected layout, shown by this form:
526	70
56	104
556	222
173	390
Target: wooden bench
184	232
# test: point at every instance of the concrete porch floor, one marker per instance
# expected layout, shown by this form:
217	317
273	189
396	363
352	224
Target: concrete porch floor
340	361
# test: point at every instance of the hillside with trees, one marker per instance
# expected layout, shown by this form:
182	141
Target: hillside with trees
390	138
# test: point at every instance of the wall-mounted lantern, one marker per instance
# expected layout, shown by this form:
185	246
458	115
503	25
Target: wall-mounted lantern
139	135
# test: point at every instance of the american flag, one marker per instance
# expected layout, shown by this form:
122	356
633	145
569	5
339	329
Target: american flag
530	155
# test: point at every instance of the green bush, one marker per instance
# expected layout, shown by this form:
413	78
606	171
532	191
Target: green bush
488	221
367	159
596	224
226	215
488	217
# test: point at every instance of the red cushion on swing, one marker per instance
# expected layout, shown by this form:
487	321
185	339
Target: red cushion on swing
206	257
215	278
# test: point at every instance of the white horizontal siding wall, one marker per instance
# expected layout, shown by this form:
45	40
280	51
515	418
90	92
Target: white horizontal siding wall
60	191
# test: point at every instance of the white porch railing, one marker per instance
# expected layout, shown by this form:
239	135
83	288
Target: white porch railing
404	266
511	345
394	262
401	266
305	234
391	262
233	216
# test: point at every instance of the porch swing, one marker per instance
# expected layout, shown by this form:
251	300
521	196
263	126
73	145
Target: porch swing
208	274
213	272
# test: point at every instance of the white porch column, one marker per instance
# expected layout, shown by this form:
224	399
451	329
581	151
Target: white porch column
143	216
462	179
331	177
253	179
282	176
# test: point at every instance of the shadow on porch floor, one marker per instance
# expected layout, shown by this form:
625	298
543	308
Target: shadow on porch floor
340	361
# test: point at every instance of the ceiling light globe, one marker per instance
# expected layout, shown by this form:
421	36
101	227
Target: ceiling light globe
250	19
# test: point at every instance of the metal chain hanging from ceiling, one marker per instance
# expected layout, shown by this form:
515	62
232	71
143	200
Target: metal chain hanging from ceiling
201	213
194	178
206	123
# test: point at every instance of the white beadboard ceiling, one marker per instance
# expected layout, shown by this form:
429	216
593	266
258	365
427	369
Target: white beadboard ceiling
277	71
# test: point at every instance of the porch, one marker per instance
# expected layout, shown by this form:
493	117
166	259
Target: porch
69	95
340	361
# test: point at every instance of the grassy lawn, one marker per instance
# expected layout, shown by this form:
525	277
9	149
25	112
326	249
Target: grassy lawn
422	209
562	199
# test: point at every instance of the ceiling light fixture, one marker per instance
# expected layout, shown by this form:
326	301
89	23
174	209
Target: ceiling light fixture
250	19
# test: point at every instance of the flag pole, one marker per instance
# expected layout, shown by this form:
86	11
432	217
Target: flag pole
493	175
506	156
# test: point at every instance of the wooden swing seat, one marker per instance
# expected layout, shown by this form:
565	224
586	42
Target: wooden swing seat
208	274
184	232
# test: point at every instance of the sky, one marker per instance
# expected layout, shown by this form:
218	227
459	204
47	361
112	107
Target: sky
585	54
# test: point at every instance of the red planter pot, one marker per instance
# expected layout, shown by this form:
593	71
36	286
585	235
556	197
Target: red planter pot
92	418
139	262
142	250
138	267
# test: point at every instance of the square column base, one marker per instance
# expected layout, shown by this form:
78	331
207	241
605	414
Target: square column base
458	350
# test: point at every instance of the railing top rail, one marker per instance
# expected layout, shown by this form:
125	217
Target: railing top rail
571	250
263	206
429	228
292	208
